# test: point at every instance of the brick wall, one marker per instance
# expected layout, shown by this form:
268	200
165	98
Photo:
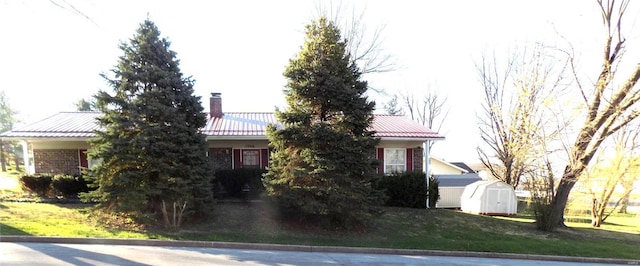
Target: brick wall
58	161
417	159
221	158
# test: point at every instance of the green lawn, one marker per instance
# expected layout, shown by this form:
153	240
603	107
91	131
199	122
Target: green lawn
403	228
9	184
396	228
40	219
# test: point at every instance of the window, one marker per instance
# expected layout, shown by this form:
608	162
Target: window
94	163
85	162
251	158
394	160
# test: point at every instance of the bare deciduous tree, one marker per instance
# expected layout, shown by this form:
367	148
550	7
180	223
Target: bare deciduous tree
363	43
517	112
433	111
66	5
609	106
430	110
540	182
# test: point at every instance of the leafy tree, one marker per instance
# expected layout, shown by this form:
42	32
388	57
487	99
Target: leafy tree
433	191
323	163
618	167
150	146
7	119
628	187
7	114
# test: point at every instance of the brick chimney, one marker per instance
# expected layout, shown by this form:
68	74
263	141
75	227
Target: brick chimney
215	105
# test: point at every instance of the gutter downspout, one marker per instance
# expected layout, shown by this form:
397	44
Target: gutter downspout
425	165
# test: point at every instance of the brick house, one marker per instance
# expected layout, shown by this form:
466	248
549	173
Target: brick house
59	143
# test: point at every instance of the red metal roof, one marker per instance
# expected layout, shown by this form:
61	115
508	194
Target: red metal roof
239	124
397	126
60	125
83	124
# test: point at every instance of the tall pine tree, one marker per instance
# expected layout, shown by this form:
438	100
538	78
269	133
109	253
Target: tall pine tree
323	162
149	143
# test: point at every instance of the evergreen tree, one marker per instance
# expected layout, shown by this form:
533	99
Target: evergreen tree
150	145
392	107
322	164
83	105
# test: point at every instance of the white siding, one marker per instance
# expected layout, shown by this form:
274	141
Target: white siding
449	197
439	168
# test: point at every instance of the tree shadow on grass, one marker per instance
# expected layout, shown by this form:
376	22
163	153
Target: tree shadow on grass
582	220
10	230
6	230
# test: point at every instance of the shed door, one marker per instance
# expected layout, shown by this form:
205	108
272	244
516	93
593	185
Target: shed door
493	204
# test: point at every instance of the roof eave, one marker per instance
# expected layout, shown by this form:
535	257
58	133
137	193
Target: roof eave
413	138
208	138
256	137
264	137
42	139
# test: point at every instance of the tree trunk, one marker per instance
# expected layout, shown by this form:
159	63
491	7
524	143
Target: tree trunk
559	202
596	212
2	159
624	203
596	221
16	160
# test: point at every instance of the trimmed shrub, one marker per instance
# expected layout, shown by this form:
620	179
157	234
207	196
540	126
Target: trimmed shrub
239	183
407	189
38	184
69	186
433	191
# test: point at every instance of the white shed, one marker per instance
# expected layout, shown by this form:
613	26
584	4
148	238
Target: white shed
489	197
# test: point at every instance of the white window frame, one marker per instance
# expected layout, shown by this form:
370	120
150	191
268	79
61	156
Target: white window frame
387	160
258	158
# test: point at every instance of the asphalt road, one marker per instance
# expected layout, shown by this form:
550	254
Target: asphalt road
22	253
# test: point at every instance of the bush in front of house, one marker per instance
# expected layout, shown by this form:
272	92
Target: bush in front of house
235	182
69	186
38	184
433	191
404	189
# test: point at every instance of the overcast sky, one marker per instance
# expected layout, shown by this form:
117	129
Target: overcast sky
53	56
